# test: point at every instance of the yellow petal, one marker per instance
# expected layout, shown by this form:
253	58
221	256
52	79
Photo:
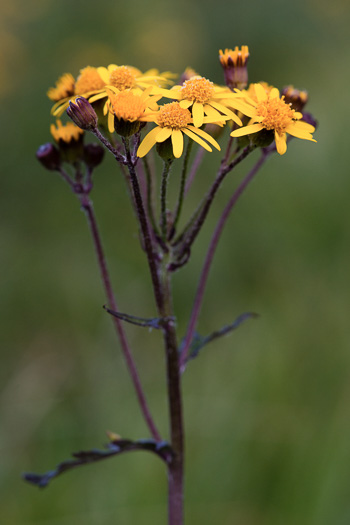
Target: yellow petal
211	112
205	136
227	112
195	137
274	93
198	114
163	134
281	143
244	108
305	126
148	142
178	143
104	74
110	122
97	97
186	103
299	133
260	92
247	130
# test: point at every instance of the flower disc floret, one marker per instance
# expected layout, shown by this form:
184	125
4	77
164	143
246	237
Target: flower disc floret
198	89
173	116
275	114
88	80
122	77
127	106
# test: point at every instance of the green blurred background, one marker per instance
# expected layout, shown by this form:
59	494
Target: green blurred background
268	408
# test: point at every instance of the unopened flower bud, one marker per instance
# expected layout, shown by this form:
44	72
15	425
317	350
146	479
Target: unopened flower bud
83	114
296	98
49	156
93	155
234	63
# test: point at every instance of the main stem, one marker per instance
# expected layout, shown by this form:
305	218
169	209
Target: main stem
89	211
162	291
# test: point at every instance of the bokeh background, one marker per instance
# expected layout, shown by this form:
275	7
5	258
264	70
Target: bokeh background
268	408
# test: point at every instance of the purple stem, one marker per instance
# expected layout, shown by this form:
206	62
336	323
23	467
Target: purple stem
89	211
209	257
194	168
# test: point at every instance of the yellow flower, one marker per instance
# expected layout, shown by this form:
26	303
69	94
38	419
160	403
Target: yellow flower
66	133
87	84
64	88
271	112
129	106
205	99
172	122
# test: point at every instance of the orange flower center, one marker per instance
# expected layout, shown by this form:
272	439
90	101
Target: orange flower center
127	106
88	80
277	114
67	133
173	116
198	89
122	77
64	88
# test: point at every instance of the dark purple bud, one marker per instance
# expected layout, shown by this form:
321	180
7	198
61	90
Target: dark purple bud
93	155
49	156
295	97
83	114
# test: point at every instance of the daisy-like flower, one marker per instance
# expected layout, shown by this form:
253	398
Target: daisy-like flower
234	62
271	112
64	88
173	121
127	108
87	84
66	132
205	98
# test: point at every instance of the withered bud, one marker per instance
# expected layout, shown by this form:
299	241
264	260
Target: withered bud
93	155
296	98
234	63
83	114
49	156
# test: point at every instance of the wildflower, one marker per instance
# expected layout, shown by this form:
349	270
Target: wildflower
93	155
234	63
127	107
172	122
271	112
128	77
205	99
64	88
82	113
87	84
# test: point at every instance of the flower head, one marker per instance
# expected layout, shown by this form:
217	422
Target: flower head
204	98
234	63
66	133
87	84
271	112
64	88
173	121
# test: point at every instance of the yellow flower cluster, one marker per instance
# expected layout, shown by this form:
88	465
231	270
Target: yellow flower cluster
130	96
